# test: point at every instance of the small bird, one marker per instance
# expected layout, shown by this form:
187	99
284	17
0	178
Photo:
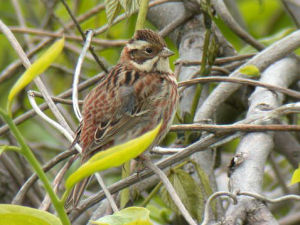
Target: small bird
138	93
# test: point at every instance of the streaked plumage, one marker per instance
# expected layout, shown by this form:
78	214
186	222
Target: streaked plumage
133	98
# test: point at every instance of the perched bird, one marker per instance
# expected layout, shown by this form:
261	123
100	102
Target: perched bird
138	93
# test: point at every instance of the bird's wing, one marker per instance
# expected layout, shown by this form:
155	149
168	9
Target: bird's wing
111	108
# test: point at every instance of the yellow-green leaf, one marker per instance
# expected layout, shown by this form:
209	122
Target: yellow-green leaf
20	215
128	216
296	176
38	67
250	70
113	157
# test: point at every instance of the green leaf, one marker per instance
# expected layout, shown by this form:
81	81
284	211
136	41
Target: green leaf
205	184
296	176
128	216
112	8
113	157
38	67
130	6
250	70
204	179
20	215
188	191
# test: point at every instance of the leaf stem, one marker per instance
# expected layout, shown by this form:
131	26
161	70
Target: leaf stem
142	15
25	150
10	148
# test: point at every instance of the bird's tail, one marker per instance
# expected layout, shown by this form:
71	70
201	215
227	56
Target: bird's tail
76	194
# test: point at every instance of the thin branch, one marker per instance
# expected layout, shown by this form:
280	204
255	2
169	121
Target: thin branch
50	121
107	193
21	20
269	200
56	99
175	24
101	42
235	127
218	61
210	199
101	64
163	177
237	80
77	75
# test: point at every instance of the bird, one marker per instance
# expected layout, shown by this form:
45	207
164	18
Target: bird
133	98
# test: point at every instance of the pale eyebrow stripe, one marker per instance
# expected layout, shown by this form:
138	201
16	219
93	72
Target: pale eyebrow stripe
139	44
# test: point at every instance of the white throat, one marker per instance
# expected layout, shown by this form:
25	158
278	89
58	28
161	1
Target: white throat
156	64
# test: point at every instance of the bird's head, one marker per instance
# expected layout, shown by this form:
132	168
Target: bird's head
147	52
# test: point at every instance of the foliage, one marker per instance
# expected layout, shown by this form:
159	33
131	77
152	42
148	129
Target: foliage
128	216
18	215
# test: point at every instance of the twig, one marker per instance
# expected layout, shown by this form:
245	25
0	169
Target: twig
210	199
107	193
218	61
101	42
235	127
50	121
21	20
175	24
238	80
225	15
101	64
77	75
171	191
56	99
269	200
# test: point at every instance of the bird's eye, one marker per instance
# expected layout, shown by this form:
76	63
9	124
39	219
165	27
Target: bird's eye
149	50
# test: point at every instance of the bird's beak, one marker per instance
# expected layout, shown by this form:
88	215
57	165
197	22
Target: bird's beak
166	52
